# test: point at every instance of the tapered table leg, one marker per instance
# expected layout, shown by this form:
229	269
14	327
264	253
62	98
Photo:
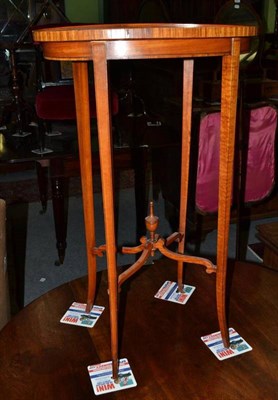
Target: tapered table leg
105	152
227	144
185	156
81	88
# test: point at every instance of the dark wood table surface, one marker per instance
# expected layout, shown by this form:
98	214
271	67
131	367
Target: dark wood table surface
44	359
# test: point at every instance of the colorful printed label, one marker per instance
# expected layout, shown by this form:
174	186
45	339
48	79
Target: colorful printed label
169	292
101	377
237	345
76	315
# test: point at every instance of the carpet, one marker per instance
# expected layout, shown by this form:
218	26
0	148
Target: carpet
41	274
36	241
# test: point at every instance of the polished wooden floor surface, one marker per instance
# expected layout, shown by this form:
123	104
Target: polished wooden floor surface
44	359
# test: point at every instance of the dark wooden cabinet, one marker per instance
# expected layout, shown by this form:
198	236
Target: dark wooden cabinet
177	10
186	11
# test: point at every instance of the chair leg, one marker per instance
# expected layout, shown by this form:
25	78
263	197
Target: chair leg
60	210
42	178
41	139
242	230
49	131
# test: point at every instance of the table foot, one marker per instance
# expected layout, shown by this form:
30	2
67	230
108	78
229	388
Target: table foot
103	382
89	306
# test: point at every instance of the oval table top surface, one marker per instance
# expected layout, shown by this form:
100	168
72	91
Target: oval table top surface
140	31
42	358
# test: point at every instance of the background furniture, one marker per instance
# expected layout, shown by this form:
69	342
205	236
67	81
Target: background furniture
255	165
54	99
258	171
164	100
123	11
54	173
52	357
16	20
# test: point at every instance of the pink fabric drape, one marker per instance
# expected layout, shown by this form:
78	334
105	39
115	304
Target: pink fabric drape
260	170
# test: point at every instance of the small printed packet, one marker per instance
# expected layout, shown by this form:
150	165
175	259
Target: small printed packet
76	315
101	377
169	292
237	345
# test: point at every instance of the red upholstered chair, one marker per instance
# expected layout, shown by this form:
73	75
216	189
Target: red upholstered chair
55	101
257	155
260	169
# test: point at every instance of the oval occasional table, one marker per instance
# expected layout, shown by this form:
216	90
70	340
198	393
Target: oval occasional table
102	44
44	359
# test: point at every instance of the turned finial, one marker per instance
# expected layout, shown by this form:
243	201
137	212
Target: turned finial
151	221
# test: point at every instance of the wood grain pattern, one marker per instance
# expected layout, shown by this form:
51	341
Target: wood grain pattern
229	88
140	31
44	359
80	73
147	49
188	68
106	169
